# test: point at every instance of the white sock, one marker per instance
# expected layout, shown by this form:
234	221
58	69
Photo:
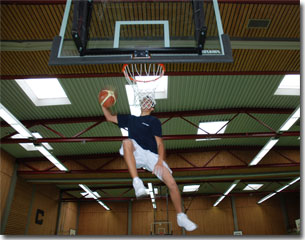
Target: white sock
180	214
136	179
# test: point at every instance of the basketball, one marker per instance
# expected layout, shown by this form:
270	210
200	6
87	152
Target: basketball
107	98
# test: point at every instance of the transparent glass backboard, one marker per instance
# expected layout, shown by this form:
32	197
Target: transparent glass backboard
141	31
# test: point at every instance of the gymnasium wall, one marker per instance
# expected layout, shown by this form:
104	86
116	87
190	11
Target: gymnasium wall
90	218
253	219
68	218
6	170
95	220
27	200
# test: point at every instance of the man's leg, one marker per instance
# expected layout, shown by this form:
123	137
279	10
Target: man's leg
137	183
129	157
182	218
173	189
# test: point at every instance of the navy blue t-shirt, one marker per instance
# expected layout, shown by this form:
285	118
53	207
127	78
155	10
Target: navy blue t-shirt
143	129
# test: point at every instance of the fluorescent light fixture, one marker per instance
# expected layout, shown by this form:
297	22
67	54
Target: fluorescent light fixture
233	185
44	91
265	198
93	195
278	190
14	122
89	196
124	132
150	188
263	151
295	180
219	200
151	193
156	191
22	130
88	191
52	159
291	120
7	116
190	188
104	205
212	128
251	187
290	85
282	188
30	146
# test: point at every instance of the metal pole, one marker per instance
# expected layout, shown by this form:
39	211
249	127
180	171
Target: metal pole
58	214
9	200
234	213
77	216
30	210
182	229
130	217
284	211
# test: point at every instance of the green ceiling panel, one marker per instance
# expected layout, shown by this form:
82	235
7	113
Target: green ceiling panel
185	93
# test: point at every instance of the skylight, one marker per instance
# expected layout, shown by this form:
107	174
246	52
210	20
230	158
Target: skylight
251	187
212	128
290	85
160	93
30	146
44	91
190	188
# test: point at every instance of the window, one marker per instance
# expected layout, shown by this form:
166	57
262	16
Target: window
290	85
211	128
44	91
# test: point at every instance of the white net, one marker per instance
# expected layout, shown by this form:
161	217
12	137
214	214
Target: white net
143	79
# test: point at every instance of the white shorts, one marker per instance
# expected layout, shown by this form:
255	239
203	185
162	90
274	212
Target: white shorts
145	158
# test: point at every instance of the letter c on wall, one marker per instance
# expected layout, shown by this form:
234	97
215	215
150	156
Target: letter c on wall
37	218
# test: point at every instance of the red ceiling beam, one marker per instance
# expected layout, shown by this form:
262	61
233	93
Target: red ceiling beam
165	137
169	151
75	199
48	172
206	112
108	75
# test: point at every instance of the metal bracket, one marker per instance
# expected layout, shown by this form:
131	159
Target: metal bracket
200	26
81	23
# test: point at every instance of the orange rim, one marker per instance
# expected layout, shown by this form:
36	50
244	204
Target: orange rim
134	80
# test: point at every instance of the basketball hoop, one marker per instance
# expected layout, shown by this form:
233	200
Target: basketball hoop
143	79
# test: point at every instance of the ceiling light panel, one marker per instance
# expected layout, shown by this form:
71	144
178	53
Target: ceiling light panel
44	91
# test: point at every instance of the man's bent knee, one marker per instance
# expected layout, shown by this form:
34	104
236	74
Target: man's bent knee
128	144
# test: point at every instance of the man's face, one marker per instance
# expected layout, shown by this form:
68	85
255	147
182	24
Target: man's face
147	104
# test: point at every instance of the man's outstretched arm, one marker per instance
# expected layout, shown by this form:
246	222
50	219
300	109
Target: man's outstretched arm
109	117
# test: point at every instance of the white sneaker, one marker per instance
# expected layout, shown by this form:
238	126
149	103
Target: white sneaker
183	221
139	188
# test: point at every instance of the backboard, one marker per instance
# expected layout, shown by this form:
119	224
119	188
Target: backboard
133	31
161	228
